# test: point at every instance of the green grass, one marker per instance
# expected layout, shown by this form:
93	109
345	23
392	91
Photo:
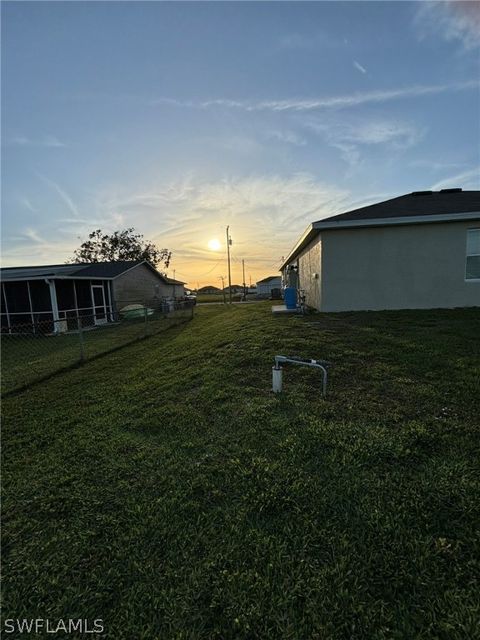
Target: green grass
27	358
210	297
218	297
166	490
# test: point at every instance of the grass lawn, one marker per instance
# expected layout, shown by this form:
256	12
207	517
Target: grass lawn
27	358
216	297
166	490
210	297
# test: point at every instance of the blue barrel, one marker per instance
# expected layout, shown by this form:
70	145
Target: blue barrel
290	297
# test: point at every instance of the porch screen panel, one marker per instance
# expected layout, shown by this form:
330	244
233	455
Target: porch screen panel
84	301
41	304
40	295
65	295
18	304
4	315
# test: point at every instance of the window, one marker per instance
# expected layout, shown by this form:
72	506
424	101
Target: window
472	269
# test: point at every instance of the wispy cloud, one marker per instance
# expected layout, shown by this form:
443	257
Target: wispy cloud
192	211
399	134
44	141
26	203
359	67
455	21
467	180
34	236
286	136
328	102
349	136
436	165
62	193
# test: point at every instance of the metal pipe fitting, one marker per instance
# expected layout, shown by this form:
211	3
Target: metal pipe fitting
306	362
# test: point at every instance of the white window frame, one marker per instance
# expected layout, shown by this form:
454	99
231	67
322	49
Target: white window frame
467	255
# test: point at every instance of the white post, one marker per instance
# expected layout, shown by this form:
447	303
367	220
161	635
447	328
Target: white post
53	298
277	379
31	308
110	306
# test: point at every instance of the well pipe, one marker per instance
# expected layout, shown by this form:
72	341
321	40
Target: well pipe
306	362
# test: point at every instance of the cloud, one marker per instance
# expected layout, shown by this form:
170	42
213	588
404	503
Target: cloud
400	135
358	66
467	180
348	137
454	21
34	236
288	137
328	102
435	165
62	193
265	214
25	202
44	141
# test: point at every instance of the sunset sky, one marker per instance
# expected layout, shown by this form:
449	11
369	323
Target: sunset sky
181	118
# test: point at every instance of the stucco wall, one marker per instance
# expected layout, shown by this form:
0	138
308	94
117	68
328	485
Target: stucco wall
141	285
309	264
397	267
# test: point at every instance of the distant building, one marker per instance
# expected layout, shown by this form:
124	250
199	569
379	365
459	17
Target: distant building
236	288
265	286
208	290
418	251
55	295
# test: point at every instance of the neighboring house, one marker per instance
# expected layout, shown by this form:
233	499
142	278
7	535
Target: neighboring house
56	294
265	286
208	290
236	288
417	251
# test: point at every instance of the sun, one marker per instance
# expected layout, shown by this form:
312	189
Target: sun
214	245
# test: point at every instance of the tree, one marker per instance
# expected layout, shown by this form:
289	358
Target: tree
120	245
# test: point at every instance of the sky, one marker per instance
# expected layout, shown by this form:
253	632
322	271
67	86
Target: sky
180	118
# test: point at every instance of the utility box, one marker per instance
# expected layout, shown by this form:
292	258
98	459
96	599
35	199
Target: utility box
276	294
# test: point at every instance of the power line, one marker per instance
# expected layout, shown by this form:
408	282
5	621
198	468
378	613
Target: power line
199	275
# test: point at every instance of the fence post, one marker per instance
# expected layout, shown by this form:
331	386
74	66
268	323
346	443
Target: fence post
146	321
80	339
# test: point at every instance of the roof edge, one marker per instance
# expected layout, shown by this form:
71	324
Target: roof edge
305	238
385	222
320	225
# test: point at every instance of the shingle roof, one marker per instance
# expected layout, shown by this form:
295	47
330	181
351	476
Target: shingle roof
418	203
94	270
106	269
412	208
265	280
210	288
172	281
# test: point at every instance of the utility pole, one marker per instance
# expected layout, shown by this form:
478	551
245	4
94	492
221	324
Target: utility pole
244	285
229	242
174	283
222	278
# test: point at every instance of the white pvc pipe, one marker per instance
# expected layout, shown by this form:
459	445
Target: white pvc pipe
306	362
277	379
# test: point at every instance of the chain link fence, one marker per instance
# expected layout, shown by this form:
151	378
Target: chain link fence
34	351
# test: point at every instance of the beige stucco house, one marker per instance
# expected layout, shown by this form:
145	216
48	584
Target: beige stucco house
417	251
